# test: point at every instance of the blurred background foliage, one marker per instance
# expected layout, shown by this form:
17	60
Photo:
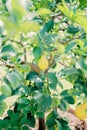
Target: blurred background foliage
43	60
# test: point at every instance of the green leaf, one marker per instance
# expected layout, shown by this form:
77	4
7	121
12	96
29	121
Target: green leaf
37	95
69	47
83	3
67	71
4	123
25	128
3	107
15	122
44	12
12	79
1	29
52	80
4	1
8	49
35	77
14	29
10	113
47	27
18	75
81	20
50	39
62	105
50	120
69	99
24	68
44	103
9	25
85	44
83	64
18	11
64	121
31	120
24	120
25	89
65	10
72	30
6	90
44	3
55	102
2	97
80	43
59	125
51	128
40	114
29	26
66	128
64	93
21	106
37	52
60	84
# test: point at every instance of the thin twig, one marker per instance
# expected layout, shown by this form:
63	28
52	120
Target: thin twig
76	37
24	48
25	54
14	41
6	64
58	15
63	64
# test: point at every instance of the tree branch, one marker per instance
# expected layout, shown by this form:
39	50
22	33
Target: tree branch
63	64
15	41
33	66
69	40
4	63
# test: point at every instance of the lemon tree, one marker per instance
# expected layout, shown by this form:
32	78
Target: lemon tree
43	44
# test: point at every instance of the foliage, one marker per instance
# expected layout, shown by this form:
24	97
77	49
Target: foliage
35	38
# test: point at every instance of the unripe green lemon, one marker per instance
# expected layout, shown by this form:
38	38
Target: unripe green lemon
55	127
61	48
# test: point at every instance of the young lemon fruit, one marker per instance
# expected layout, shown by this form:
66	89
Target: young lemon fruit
81	111
61	48
43	63
55	127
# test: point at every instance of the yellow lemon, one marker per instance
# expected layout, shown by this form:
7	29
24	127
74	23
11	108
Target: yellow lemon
81	111
43	63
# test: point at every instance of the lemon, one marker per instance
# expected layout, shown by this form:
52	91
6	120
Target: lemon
81	111
43	63
61	48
